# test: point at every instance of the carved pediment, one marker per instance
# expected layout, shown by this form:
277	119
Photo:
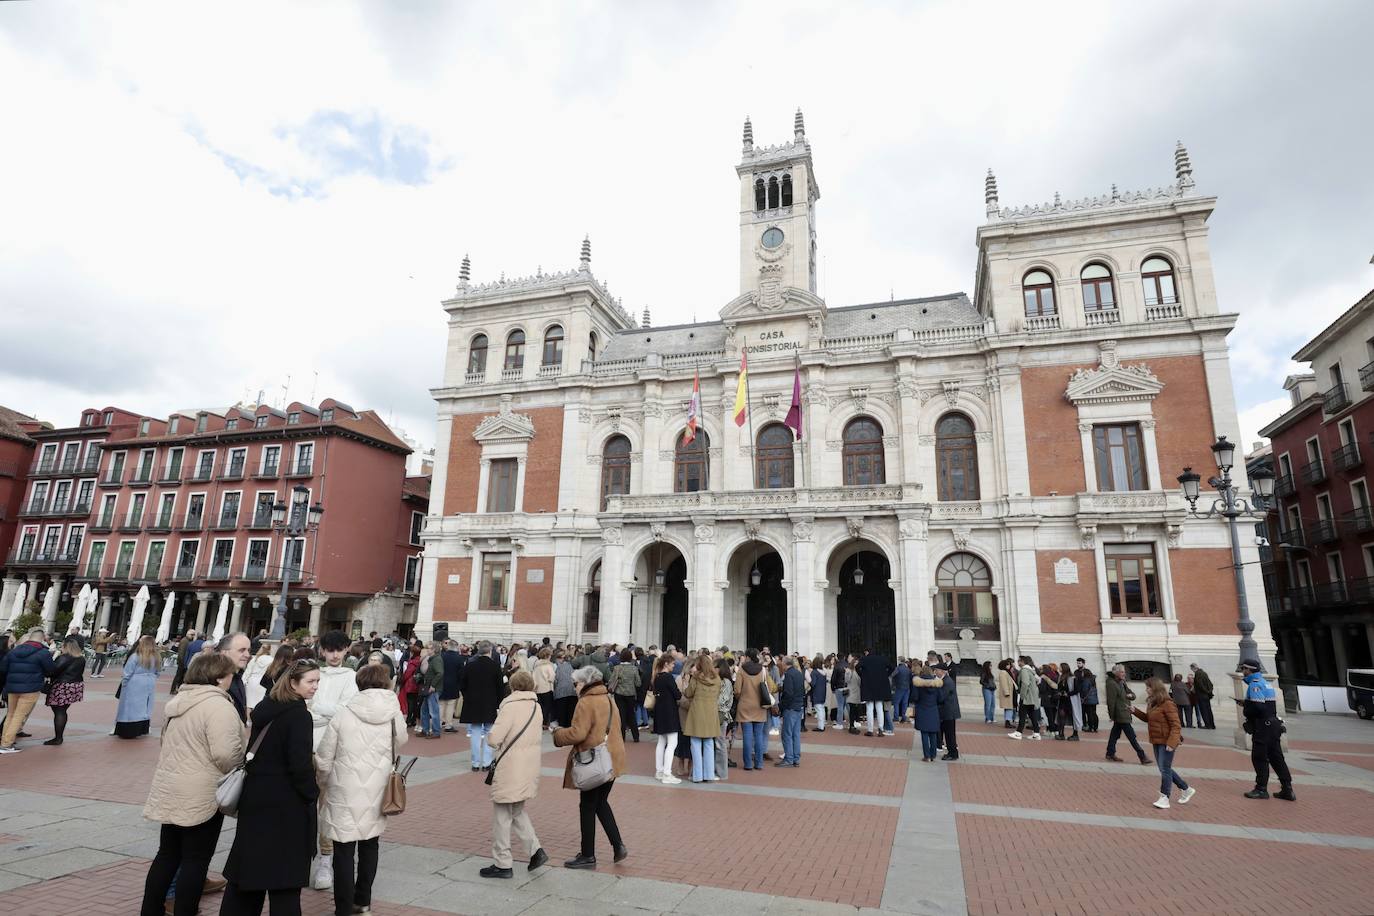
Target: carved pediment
505	425
1113	384
774	302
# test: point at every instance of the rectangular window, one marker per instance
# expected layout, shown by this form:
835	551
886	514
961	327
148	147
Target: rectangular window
95	560
229	509
116	467
172	426
271	459
221	558
205	467
260	422
293	558
495	582
262	509
1359	495
135	517
152	570
166	511
1132	583
1347	431
51	538
74	535
174	459
293	418
255	567
237	459
186	559
84	494
305	458
143	427
417	524
124	563
201	422
232	424
61	495
501	485
195	510
1120	457
412	574
26	544
107	511
1323	506
327	415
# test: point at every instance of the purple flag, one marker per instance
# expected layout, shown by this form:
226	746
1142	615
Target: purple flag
794	413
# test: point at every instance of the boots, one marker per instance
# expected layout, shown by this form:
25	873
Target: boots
1286	793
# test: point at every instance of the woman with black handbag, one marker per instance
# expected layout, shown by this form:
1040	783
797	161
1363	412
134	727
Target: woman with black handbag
514	775
594	735
277	830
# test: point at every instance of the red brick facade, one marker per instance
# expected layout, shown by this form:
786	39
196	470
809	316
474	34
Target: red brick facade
1067	608
533	601
1204	591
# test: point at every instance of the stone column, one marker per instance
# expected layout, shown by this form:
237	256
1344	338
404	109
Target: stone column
615	608
909	411
53	582
706	611
916	626
7	593
649	464
806	599
236	614
103	621
519	482
201	610
317	600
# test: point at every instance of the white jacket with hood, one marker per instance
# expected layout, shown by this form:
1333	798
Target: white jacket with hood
337	687
354	761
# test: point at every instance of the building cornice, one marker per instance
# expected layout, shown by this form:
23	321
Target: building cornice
1291	416
1336	329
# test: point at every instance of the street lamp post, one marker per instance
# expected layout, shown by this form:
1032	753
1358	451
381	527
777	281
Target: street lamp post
1230	505
292	521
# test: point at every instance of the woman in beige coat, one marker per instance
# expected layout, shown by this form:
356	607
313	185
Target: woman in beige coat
515	775
702	722
354	765
202	740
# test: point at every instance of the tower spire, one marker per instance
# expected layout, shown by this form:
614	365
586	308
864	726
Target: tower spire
990	193
586	261
799	126
645	323
1183	167
748	134
464	272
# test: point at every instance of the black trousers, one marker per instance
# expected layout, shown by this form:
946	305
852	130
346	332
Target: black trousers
1028	712
564	708
1266	751
1119	729
1204	713
1051	720
348	890
100	658
626	705
240	902
1186	714
1090	717
546	706
947	732
188	849
591	807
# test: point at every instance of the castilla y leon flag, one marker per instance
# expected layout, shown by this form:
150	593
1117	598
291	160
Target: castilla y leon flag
741	400
794	413
693	408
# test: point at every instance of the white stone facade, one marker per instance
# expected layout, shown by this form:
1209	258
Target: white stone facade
1032	388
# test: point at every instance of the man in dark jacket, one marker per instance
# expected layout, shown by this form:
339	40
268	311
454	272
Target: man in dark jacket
237	647
449	693
949	709
1119	698
1203	691
875	684
792	702
482	687
22	670
1266	729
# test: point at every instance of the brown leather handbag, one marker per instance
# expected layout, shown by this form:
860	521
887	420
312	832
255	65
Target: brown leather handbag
394	796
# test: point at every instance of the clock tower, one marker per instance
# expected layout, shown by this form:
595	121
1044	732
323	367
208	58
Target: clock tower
777	217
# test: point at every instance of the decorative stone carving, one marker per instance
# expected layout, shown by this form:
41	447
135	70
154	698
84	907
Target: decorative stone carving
813	394
1088	536
751	530
1065	571
772	405
961	537
928	439
656	529
653	409
705	534
855	524
1147	423
1173	533
1111	382
1107	354
951	391
610	536
909	529
505	425
834	445
466	544
907	388
925	394
594	460
859	394
1128	532
584	415
983	436
613	416
1085	428
892	441
802	530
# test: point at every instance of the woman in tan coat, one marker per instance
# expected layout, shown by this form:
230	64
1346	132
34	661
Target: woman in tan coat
595	721
1006	691
201	741
702	722
515	774
1166	734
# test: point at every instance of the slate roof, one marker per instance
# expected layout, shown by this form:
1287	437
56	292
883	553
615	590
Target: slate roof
12	424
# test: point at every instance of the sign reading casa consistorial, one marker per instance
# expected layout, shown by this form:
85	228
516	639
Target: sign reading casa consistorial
817	477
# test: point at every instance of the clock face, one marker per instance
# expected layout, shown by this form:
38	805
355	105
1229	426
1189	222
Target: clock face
772	238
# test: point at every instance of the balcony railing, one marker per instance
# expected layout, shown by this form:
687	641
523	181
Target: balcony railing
1360	519
1293	537
218	571
152	572
93	568
104	524
1323	531
40	557
232	471
121	571
132	524
513	375
203	474
34	507
254	573
184	572
1367	377
1162	311
1042	322
162	524
142	477
1329	593
261	520
170	477
89	467
475	378
269	471
1314	472
1301	597
113	478
227	521
1347	456
81	508
1335	399
1101	317
1284	485
193	523
300	469
551	371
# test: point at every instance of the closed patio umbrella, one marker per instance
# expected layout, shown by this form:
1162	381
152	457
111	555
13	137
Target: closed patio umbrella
164	627
80	608
50	606
221	618
136	616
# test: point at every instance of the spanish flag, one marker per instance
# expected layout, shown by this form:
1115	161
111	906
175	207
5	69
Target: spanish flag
741	400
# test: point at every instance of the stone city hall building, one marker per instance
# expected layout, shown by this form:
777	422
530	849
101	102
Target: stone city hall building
1002	463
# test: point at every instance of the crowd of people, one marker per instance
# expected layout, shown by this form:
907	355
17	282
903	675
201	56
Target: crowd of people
321	722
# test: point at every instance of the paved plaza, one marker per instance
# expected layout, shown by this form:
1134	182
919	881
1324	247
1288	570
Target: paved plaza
1012	827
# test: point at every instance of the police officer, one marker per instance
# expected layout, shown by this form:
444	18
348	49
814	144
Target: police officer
1263	723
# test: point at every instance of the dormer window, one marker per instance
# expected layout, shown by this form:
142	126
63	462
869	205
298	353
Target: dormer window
260	422
327	415
172	425
293	418
201	422
143	426
232	424
109	417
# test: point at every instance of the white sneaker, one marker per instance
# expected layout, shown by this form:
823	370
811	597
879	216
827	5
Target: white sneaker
670	780
9	750
774	731
1035	736
1162	802
324	873
889	734
1187	795
1015	735
659	776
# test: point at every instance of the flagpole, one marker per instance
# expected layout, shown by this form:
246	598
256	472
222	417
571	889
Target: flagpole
796	359
749	409
701	416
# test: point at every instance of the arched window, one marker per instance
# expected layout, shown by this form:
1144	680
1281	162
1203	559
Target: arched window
773	457
787	190
615	468
591	346
772	193
1098	293
1157	275
760	195
477	355
1038	288
963	595
515	350
691	467
863	453
956	458
553	346
591	615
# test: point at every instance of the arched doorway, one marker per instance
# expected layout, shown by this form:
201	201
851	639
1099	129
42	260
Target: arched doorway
659	600
674	620
765	620
866	608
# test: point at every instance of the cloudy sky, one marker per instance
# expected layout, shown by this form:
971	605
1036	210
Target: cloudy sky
204	201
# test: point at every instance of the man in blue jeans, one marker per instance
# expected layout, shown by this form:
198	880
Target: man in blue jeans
792	702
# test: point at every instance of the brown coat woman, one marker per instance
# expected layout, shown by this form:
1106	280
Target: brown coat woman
594	721
1166	734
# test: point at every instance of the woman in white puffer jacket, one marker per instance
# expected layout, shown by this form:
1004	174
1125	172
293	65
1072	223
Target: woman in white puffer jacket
354	762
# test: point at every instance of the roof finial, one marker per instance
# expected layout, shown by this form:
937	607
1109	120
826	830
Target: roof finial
990	193
645	323
748	134
586	262
464	272
798	126
1183	167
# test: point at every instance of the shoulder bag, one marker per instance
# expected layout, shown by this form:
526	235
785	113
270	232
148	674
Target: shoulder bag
491	770
230	786
593	768
394	795
684	702
649	700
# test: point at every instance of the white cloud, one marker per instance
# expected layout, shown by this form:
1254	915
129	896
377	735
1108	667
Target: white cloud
198	200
